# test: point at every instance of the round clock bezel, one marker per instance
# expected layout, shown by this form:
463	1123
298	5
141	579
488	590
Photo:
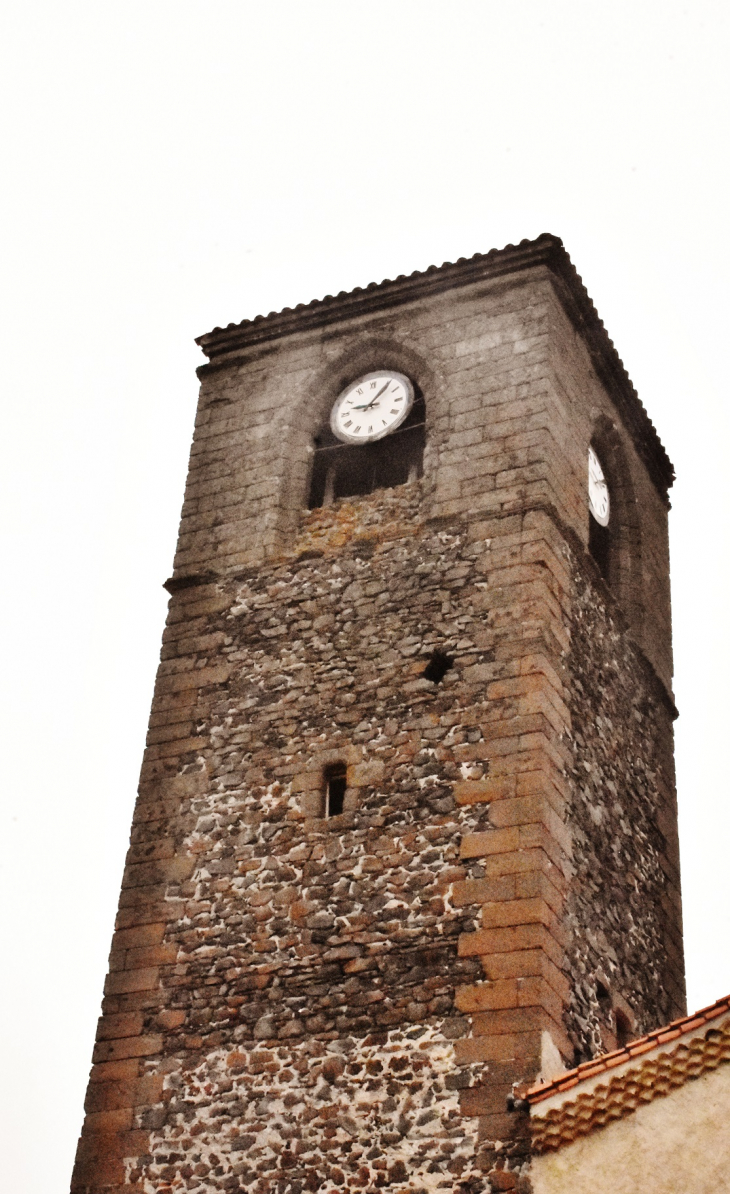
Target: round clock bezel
597	482
407	384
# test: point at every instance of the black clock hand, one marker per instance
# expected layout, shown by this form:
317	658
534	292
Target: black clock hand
375	399
372	402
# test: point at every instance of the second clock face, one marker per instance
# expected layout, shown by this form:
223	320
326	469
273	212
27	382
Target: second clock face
598	499
371	407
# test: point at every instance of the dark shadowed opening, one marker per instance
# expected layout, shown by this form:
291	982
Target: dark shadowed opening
599	545
335	778
349	470
437	667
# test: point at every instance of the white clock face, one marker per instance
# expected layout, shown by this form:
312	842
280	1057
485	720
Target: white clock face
598	500
371	407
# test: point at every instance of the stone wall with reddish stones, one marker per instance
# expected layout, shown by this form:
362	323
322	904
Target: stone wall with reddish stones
624	908
272	967
341	962
299	1003
351	1113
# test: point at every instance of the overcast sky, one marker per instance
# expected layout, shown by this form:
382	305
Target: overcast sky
169	166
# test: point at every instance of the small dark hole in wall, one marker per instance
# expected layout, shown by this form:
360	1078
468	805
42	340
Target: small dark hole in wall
335	788
603	994
437	667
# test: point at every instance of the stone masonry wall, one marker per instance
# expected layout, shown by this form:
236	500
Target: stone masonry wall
638	510
299	1003
623	911
394	968
494	428
513	400
272	968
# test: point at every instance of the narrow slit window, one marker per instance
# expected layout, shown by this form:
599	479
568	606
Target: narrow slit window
335	788
599	545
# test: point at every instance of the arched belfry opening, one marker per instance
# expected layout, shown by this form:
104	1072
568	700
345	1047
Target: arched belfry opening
600	525
614	532
342	468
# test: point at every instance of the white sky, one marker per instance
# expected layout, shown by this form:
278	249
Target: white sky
169	166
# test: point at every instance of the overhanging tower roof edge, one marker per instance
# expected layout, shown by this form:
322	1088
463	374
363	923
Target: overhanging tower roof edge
546	250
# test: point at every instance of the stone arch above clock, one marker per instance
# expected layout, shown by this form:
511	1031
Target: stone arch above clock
311	433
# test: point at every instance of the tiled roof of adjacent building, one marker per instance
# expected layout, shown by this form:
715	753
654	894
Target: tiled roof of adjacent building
545	250
644	1070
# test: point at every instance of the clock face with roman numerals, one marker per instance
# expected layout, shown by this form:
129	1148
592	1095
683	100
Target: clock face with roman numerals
371	407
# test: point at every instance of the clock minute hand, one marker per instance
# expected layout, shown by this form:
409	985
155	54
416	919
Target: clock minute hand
372	401
375	399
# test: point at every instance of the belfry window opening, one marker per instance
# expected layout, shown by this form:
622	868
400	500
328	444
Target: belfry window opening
341	469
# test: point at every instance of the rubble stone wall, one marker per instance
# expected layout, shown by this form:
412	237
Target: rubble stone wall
275	971
624	910
425	917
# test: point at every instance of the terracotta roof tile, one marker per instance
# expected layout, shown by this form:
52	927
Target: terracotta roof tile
670	1035
635	1048
651	1077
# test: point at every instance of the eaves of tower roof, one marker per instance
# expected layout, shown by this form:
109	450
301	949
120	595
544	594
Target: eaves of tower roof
546	251
612	1086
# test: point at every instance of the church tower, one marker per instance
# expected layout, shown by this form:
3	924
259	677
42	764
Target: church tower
406	834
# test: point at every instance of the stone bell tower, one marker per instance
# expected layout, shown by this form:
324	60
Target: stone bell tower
406	829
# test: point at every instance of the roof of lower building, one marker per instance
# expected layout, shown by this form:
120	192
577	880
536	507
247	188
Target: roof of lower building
612	1086
545	250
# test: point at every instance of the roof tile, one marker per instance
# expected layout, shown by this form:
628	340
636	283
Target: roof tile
652	1077
643	1044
